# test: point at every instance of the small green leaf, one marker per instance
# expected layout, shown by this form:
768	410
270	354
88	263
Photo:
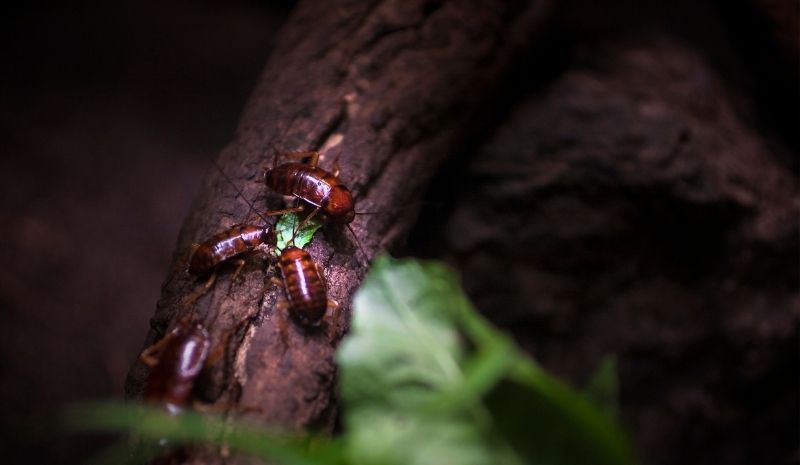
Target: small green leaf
287	234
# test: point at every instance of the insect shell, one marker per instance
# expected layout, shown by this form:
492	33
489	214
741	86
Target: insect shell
304	286
314	186
234	241
181	356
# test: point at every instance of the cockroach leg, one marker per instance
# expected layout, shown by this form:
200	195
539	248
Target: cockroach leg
197	294
240	263
221	348
281	309
296	209
306	220
149	355
336	168
333	331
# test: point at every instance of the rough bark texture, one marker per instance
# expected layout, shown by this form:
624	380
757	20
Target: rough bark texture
388	84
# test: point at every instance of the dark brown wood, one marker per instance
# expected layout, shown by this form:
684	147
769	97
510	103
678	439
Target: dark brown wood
387	86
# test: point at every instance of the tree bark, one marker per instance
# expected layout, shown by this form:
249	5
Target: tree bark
388	85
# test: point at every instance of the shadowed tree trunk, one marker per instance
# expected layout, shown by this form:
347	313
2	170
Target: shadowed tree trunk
389	85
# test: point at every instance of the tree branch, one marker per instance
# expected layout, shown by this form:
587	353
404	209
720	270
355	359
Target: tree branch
390	85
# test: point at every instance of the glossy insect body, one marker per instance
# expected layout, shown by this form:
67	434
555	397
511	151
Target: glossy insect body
238	239
181	355
305	288
314	186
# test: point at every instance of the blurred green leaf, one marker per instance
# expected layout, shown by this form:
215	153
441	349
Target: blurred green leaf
551	423
425	380
153	424
286	227
403	380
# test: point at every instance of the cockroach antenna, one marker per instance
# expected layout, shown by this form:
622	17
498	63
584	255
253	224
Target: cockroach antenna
239	193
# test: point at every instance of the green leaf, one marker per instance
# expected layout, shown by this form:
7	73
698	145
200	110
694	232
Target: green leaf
546	420
395	343
155	425
415	438
426	380
408	392
286	227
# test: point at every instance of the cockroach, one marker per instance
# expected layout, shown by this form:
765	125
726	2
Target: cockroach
305	288
315	186
306	292
234	241
220	247
175	362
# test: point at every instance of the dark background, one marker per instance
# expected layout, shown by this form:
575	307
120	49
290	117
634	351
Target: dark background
111	115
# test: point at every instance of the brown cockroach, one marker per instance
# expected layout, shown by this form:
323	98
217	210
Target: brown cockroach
175	362
234	241
305	289
313	185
